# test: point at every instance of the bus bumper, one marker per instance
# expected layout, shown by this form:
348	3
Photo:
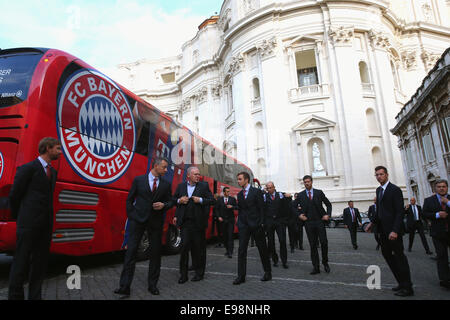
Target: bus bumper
7	236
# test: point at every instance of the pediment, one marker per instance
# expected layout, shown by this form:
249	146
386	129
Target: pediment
302	39
314	122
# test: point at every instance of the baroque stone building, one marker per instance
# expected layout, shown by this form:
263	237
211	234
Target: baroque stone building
269	81
423	131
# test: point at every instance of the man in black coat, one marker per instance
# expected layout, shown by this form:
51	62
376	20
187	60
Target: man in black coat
437	209
371	215
352	219
309	207
389	221
414	222
251	222
193	199
31	201
148	200
226	206
277	212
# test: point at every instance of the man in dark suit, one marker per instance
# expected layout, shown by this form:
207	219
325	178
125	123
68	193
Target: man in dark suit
193	199
437	209
389	221
414	222
276	219
251	222
217	223
371	215
31	202
352	219
309	207
148	200
226	206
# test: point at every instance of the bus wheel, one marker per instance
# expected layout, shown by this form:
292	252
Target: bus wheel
173	241
143	252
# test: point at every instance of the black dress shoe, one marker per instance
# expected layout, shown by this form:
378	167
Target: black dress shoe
378	247
238	281
355	247
429	252
405	293
409	249
445	284
275	264
326	267
121	291
182	280
301	248
315	271
267	276
197	278
154	291
191	268
397	288
230	256
285	266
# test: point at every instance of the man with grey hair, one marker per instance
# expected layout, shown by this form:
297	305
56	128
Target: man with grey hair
149	198
437	209
414	223
193	198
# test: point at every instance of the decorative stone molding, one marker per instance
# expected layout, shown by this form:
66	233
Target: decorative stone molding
175	69
266	47
248	6
379	40
216	90
236	64
200	95
185	105
342	36
409	59
224	20
429	59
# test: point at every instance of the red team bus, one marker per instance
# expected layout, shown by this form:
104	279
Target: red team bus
109	136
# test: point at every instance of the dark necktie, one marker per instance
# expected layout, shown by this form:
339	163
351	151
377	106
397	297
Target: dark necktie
273	197
353	215
48	171
226	201
245	194
155	180
309	195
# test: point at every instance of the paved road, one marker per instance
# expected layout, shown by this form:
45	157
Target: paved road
347	280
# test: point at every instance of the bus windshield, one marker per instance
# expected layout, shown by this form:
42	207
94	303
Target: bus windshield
16	71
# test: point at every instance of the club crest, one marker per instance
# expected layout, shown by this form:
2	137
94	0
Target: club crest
96	127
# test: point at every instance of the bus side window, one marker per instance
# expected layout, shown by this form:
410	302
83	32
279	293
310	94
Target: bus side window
143	139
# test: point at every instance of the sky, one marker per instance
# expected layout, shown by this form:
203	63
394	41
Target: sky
104	33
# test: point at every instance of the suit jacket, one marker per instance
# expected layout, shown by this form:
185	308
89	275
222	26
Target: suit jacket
200	211
227	214
251	209
390	210
431	206
141	198
317	202
279	207
410	218
31	196
371	213
348	216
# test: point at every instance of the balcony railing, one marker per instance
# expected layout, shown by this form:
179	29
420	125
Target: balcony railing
309	92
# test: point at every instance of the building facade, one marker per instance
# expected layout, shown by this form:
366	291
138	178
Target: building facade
302	87
423	131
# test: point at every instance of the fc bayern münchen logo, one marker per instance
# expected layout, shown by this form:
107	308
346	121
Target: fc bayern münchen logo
96	127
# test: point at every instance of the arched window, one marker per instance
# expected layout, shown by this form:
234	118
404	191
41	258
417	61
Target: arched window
377	157
259	135
372	124
256	89
364	72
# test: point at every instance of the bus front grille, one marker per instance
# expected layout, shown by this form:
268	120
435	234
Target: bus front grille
78	197
72	235
76	216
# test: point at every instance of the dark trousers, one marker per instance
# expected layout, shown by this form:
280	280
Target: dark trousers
442	246
193	240
295	232
392	251
29	263
244	237
281	232
228	231
316	232
353	228
136	231
419	227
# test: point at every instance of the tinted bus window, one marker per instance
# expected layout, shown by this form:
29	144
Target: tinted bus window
16	72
